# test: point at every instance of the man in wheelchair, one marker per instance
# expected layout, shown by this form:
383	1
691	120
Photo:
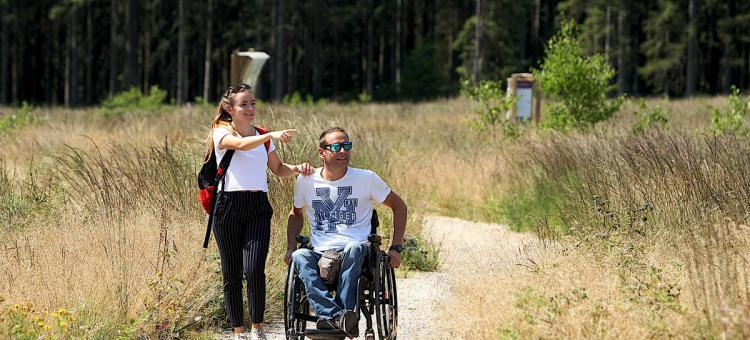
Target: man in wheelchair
338	202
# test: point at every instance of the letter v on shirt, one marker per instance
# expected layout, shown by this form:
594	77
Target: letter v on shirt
339	211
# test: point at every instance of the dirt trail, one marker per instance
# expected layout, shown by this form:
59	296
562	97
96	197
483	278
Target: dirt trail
465	248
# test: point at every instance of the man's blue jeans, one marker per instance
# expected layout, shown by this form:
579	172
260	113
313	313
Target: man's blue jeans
321	299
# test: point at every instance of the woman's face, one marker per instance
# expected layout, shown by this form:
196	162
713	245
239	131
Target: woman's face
243	108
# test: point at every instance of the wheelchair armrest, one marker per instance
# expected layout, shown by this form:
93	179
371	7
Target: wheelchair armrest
375	239
304	241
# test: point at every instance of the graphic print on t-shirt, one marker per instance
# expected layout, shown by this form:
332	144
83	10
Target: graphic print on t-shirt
329	214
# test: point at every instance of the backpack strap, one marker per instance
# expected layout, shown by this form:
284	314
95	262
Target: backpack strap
264	131
224	165
220	172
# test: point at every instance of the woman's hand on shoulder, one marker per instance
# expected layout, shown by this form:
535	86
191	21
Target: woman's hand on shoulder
283	135
305	169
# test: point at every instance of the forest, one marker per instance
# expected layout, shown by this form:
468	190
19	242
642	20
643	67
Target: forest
80	52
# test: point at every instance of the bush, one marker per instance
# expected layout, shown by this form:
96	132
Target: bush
419	255
732	120
20	118
649	117
494	105
134	100
576	84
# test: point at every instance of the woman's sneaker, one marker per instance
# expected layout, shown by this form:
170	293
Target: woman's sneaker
257	334
349	323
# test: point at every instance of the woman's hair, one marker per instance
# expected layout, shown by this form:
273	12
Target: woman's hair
222	117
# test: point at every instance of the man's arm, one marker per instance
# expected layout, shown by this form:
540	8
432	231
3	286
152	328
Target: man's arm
398	207
293	228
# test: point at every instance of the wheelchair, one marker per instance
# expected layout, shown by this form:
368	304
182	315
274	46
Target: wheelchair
376	296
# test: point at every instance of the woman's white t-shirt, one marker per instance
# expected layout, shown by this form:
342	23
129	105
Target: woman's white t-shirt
247	170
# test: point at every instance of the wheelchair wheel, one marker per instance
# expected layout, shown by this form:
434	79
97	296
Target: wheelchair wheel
295	303
386	300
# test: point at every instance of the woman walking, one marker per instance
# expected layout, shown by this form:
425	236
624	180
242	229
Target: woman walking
242	216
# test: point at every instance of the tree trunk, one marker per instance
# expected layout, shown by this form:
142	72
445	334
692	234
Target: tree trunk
181	57
623	53
278	91
428	19
4	45
317	84
71	62
131	70
15	65
608	33
477	64
89	54
207	62
536	32
397	43
112	46
691	78
370	82
381	54
148	55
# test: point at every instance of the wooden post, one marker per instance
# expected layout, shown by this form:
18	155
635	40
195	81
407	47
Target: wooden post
529	101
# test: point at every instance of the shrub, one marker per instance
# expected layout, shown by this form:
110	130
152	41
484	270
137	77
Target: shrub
576	84
134	100
419	255
22	117
731	121
649	117
494	105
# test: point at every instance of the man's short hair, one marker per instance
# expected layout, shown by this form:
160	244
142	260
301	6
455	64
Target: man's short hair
322	139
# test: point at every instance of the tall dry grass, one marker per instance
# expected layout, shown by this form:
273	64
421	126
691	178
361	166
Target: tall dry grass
103	221
653	228
105	230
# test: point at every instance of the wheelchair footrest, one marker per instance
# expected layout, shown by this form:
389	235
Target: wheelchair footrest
324	334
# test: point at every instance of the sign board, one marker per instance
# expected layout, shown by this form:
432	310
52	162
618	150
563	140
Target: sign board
246	66
528	104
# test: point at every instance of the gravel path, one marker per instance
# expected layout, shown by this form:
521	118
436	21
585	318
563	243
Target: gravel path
465	247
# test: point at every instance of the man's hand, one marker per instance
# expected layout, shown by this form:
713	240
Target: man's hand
288	256
394	258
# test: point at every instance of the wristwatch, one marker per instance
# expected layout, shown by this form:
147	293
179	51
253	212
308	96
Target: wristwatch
399	248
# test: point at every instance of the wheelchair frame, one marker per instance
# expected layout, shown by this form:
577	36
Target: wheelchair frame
376	296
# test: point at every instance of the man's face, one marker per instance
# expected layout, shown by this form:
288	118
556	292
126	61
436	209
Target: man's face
335	158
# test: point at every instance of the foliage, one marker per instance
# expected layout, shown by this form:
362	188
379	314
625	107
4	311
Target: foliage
364	97
732	120
23	200
422	76
420	255
23	321
134	100
664	47
22	117
500	52
540	308
649	117
577	85
296	99
524	208
494	105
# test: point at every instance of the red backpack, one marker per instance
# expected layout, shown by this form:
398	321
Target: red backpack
209	177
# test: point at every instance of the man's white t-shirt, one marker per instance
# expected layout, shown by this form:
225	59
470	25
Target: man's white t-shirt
339	211
247	170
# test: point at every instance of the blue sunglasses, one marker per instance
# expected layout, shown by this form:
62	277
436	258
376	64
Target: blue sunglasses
336	147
